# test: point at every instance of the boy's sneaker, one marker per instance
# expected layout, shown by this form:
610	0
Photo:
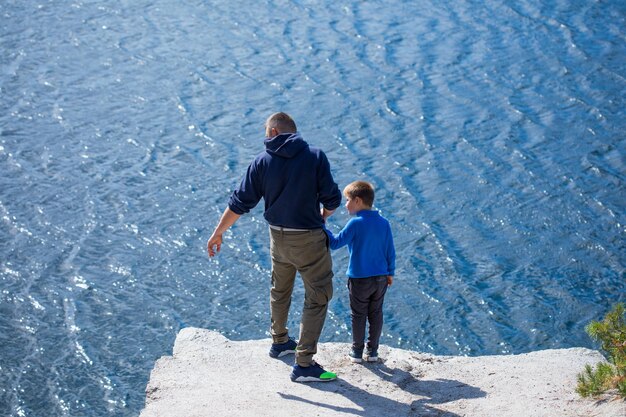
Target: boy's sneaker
371	356
356	355
312	373
281	349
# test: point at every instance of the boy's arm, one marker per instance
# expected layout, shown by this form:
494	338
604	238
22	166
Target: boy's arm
342	239
215	241
391	255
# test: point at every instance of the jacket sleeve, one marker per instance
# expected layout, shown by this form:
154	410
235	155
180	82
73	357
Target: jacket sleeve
327	191
391	252
343	238
249	193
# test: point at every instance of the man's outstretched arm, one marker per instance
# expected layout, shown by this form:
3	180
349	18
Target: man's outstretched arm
215	241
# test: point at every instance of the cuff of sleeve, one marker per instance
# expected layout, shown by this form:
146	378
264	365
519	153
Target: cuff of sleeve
236	209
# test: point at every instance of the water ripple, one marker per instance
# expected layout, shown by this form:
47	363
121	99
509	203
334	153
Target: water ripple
493	134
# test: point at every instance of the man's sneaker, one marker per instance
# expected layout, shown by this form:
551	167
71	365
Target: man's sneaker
281	349
312	373
356	355
371	356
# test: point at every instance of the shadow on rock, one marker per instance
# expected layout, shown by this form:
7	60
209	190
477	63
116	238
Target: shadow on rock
370	402
438	391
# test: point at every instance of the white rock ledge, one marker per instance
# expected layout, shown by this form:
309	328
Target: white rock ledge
209	375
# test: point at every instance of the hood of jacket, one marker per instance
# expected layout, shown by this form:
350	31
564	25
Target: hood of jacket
285	145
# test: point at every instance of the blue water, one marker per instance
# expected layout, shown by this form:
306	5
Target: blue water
494	132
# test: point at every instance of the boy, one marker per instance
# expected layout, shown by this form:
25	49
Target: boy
370	269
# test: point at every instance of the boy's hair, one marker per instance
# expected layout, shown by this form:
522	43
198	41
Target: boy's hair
281	122
362	189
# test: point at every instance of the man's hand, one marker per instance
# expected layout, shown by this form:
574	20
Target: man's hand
214	245
326	213
389	280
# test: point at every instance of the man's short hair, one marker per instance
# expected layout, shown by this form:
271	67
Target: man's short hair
362	189
281	122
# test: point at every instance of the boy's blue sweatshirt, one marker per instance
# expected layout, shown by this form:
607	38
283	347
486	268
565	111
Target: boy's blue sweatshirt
370	243
293	179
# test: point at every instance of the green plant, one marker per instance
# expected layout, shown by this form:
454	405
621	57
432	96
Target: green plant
611	332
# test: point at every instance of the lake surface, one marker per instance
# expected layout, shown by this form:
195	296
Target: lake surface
494	132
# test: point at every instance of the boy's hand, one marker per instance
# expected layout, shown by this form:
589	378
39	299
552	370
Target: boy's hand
214	241
389	280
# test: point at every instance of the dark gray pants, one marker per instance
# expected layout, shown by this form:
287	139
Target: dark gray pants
307	253
366	302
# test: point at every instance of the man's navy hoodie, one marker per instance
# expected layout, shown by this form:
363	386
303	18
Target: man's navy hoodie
293	179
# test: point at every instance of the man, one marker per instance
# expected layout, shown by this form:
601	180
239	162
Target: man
293	179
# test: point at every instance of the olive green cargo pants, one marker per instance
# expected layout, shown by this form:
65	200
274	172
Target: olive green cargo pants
305	252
